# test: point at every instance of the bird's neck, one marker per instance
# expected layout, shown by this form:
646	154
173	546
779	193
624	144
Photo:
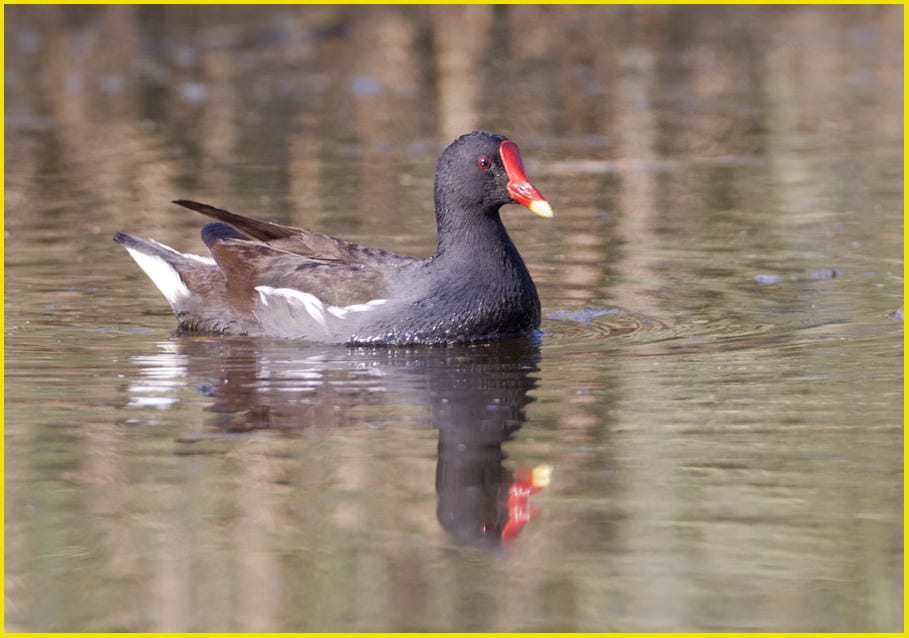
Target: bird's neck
471	235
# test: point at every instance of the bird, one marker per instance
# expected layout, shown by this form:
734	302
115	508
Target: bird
271	280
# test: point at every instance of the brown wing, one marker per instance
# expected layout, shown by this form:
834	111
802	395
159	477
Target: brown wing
247	264
300	241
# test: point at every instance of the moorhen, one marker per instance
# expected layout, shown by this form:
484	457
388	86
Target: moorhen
266	279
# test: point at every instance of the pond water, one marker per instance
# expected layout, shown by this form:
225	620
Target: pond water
707	436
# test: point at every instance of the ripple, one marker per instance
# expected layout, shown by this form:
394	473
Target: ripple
613	328
594	324
585	315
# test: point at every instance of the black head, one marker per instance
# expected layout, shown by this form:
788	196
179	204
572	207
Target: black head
481	171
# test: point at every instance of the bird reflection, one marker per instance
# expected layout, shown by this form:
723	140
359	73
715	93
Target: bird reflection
476	395
477	403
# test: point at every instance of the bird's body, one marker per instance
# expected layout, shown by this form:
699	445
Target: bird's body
273	280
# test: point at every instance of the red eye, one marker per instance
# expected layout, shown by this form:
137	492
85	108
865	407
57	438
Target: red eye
484	163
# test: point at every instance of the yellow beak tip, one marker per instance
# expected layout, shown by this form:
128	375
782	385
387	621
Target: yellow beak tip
541	207
541	475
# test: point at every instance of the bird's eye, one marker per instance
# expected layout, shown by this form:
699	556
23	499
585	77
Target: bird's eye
484	162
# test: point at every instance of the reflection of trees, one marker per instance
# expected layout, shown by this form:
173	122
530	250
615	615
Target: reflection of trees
152	102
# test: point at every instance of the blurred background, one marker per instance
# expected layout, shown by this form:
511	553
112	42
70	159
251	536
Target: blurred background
718	385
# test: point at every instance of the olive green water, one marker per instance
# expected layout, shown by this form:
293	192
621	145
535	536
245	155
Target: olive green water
718	389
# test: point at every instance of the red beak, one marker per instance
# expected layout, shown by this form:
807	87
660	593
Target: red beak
520	188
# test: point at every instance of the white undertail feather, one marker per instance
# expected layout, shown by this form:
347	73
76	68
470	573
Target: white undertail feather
163	275
203	260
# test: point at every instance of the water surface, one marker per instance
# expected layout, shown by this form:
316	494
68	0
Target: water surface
717	390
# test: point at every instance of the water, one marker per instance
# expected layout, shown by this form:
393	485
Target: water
718	390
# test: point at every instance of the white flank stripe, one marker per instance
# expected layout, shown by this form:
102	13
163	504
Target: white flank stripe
363	307
163	275
295	299
313	306
337	312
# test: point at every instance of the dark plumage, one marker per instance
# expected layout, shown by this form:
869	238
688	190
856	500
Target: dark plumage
268	279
